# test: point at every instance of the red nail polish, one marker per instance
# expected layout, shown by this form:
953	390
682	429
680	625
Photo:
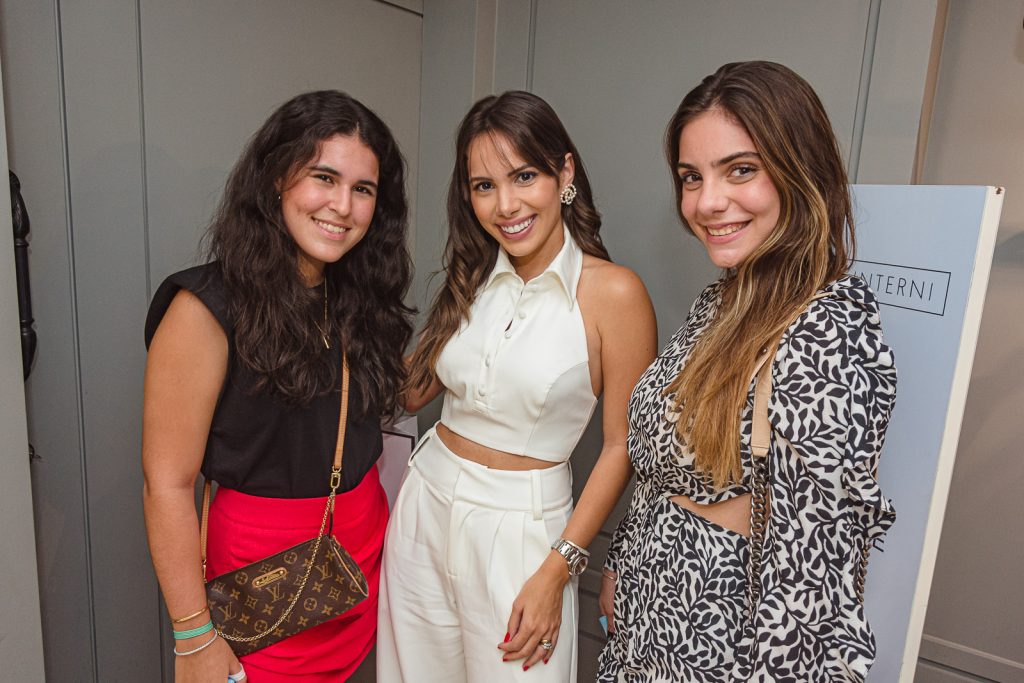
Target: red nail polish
504	659
545	661
525	668
507	637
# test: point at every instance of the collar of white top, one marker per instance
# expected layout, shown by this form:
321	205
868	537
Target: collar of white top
565	268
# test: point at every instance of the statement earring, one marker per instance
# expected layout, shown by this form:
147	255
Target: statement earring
568	194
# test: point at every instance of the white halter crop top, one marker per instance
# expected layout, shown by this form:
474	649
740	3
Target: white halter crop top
517	373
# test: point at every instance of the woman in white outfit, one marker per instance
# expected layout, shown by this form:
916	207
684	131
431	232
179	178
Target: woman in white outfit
532	325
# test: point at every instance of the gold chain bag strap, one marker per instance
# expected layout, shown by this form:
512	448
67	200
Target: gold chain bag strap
760	439
265	602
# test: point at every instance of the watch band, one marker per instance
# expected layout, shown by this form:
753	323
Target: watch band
575	556
580	549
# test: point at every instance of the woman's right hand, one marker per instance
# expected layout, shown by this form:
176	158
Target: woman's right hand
606	601
211	665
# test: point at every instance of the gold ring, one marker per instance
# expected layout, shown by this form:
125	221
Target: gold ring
546	644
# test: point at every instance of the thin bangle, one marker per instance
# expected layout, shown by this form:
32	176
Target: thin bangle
610	575
191	616
193	632
198	649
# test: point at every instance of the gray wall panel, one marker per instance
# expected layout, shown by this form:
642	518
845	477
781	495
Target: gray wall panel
21	634
33	104
448	70
930	672
615	72
448	73
103	98
513	42
977	137
203	103
898	76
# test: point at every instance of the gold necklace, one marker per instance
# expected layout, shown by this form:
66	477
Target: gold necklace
323	330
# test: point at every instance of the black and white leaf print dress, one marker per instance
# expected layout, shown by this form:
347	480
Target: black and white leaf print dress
680	603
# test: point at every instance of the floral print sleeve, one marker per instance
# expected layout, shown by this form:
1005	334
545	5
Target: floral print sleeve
681	607
834	390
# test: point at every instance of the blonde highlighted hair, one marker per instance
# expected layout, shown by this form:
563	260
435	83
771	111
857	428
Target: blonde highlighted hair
811	246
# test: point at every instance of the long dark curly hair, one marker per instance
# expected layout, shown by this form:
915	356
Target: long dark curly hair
272	307
534	131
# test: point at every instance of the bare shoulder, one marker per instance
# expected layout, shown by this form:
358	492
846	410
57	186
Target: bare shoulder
189	326
612	284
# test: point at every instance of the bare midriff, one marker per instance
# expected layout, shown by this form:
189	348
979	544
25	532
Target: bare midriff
732	514
488	457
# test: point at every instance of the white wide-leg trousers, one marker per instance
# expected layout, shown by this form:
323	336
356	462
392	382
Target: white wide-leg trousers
462	541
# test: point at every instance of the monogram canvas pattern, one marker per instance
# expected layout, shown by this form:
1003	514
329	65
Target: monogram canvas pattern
680	607
252	600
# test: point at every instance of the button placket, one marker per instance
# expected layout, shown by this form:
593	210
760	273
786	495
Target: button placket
489	361
516	312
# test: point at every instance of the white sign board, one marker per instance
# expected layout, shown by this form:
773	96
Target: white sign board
926	251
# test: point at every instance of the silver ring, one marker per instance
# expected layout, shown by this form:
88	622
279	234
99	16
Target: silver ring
547	644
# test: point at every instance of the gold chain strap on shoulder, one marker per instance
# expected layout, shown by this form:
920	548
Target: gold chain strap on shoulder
758	526
760	440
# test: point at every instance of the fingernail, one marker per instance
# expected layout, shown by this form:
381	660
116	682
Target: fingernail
507	637
504	659
545	661
525	668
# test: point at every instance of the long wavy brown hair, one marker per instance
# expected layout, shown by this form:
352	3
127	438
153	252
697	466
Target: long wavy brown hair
272	307
534	131
811	246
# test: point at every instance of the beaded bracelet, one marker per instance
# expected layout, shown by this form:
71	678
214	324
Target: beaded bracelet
193	632
202	647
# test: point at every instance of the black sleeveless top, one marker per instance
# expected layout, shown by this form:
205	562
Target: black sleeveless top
258	444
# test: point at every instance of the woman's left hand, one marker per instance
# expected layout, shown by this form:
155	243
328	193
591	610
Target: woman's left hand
537	614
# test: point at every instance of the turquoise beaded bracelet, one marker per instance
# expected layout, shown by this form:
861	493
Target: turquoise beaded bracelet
193	632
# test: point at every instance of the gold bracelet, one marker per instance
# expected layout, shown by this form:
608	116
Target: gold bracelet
610	575
191	616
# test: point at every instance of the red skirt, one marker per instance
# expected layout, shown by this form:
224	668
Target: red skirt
244	529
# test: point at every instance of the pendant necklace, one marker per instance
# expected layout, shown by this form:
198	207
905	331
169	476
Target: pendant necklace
323	330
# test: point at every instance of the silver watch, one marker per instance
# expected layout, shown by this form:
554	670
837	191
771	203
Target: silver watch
574	555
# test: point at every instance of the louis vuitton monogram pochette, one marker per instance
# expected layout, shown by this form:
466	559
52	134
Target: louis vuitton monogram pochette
265	602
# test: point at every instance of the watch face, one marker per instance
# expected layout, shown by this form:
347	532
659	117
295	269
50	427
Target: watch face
576	560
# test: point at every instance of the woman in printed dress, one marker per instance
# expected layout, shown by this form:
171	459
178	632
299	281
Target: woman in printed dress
760	182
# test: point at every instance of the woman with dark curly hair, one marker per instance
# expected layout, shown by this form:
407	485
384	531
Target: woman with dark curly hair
532	325
756	433
309	261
